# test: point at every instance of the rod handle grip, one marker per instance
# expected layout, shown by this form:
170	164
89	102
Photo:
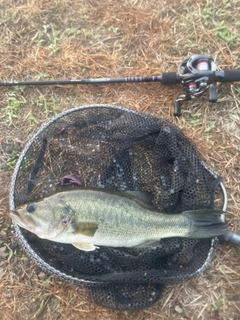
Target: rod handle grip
170	78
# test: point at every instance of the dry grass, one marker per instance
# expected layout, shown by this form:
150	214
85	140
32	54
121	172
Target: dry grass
42	39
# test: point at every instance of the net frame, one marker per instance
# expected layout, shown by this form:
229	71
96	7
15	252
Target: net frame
44	264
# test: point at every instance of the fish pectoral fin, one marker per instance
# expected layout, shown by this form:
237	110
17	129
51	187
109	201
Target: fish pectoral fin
85	246
85	228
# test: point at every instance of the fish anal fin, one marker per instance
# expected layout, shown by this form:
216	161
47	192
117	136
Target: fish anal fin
85	246
148	243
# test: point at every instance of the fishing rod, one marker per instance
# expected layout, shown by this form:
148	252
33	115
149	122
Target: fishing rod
198	75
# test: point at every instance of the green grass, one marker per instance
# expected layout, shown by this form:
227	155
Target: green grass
51	37
13	158
219	304
193	118
223	20
217	19
46	105
15	103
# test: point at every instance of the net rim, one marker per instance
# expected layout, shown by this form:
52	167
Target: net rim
27	248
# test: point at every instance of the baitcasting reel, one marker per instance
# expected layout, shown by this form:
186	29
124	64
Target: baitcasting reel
196	81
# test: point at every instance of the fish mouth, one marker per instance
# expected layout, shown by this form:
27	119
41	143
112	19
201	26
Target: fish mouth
13	213
24	222
16	217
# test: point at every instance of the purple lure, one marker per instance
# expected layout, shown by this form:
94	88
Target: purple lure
70	178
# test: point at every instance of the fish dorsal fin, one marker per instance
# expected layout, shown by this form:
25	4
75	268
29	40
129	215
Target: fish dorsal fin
85	228
85	246
140	196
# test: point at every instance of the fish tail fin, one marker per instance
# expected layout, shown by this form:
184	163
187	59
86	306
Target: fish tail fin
206	223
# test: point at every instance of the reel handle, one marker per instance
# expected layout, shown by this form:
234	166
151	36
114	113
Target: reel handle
212	93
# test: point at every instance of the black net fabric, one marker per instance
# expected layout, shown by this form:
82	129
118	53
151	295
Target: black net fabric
118	149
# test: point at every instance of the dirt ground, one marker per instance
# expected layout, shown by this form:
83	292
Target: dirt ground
74	39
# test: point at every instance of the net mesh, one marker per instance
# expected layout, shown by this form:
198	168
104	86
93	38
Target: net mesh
119	149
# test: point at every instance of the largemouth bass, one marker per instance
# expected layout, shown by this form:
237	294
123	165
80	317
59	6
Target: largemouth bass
88	218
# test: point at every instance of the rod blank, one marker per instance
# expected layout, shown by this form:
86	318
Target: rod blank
86	81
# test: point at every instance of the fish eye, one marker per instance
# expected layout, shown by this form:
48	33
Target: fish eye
31	208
